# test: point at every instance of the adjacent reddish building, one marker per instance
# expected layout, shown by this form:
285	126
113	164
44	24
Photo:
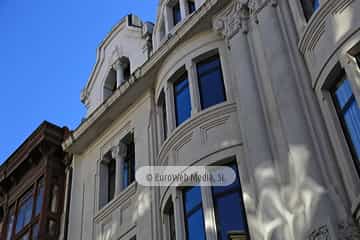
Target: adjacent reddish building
32	186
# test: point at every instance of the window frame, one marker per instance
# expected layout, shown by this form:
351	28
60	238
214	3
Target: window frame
183	76
34	219
205	59
340	78
176	11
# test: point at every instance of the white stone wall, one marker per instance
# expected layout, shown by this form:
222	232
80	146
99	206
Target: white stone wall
296	172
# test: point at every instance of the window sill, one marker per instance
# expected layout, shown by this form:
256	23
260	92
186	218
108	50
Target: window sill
195	121
115	203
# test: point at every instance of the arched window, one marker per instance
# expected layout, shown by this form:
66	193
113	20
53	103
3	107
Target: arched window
110	84
309	7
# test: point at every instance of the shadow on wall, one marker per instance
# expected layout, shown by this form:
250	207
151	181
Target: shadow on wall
288	211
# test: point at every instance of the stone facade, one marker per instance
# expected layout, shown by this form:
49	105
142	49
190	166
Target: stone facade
278	120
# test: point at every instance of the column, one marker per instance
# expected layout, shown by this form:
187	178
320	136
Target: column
119	154
118	66
167	20
194	87
169	98
183	8
178	213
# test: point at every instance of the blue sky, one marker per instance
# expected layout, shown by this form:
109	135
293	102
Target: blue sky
47	51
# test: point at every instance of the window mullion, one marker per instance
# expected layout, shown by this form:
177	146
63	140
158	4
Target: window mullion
193	87
209	215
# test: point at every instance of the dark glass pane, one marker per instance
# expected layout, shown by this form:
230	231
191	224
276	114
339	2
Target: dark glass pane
349	114
182	100
316	4
229	214
192	198
24	212
171	217
10	223
176	14
194	218
26	236
191	5
162	106
111	179
129	164
195	226
211	84
39	197
35	232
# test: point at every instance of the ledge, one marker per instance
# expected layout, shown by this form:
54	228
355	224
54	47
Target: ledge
195	121
118	201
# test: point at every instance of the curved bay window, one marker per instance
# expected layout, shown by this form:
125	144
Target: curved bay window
349	114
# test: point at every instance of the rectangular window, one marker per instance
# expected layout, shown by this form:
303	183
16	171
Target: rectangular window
348	113
176	13
10	223
211	83
191	6
182	99
162	106
194	216
25	211
111	179
229	209
129	162
39	196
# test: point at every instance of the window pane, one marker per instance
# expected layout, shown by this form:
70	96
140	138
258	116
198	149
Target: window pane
211	84
25	211
35	232
316	4
111	179
194	217
229	212
176	14
26	236
39	197
10	224
191	5
182	100
129	163
195	226
349	113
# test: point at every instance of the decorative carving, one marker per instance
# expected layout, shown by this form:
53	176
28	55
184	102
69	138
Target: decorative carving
237	16
119	151
321	233
348	231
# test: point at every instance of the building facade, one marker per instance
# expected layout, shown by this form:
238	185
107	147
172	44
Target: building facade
269	88
32	186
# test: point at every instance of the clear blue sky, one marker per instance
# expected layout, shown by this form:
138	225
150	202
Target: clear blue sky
47	51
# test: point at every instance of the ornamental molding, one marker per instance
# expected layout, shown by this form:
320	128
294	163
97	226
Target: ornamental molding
346	230
237	16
